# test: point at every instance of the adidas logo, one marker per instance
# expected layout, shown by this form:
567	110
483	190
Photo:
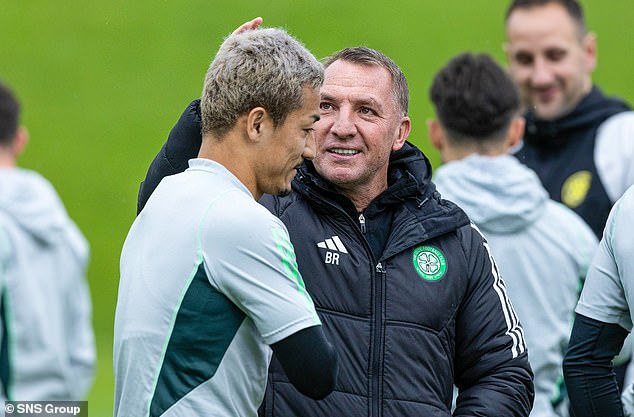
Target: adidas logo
334	247
334	243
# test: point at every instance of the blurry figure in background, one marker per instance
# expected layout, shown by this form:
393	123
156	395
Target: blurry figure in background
542	248
604	318
47	349
577	140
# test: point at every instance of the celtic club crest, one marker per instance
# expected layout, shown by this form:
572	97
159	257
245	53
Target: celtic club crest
430	263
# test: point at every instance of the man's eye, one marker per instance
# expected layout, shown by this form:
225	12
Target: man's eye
325	106
366	110
555	54
524	59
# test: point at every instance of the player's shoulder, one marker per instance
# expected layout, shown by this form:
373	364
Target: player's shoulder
628	196
236	214
625	204
617	231
618	125
563	217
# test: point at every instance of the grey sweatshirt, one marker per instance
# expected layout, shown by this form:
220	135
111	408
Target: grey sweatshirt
49	348
542	249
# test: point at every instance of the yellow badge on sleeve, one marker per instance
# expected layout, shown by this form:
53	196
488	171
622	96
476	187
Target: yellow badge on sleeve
575	188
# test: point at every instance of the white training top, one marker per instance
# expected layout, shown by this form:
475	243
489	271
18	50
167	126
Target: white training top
47	343
614	153
610	280
208	280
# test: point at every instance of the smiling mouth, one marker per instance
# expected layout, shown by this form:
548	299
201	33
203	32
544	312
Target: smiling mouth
346	152
545	92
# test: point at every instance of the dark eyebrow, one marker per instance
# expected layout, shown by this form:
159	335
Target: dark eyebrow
328	97
369	102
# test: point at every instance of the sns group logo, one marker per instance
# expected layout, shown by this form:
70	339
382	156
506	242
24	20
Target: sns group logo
53	408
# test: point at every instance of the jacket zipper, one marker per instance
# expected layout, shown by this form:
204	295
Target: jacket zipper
362	222
376	354
377	342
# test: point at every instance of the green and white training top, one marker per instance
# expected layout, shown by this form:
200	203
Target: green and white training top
608	293
208	280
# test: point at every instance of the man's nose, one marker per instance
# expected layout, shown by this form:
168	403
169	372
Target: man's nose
542	73
344	125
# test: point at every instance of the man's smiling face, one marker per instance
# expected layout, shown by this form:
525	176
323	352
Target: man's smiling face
359	127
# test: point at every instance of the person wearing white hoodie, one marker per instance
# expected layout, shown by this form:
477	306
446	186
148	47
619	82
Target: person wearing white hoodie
47	347
542	248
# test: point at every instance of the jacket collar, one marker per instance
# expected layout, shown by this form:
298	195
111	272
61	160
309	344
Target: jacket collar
409	176
411	199
591	111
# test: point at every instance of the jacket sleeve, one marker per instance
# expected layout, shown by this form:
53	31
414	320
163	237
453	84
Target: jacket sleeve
183	143
82	355
492	371
81	341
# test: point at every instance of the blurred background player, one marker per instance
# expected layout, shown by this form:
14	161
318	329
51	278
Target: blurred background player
47	349
542	248
578	140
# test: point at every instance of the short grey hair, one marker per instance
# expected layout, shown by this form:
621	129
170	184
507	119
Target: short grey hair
257	68
363	55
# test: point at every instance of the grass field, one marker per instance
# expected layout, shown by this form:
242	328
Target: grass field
102	82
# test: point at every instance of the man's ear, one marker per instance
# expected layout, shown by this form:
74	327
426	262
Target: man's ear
21	139
589	45
515	132
506	48
403	133
436	134
255	123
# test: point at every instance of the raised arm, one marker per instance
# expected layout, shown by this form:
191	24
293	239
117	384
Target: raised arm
182	143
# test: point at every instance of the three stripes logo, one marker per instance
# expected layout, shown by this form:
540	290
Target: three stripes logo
334	247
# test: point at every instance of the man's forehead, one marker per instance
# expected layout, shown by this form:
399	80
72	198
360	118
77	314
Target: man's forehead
342	69
543	23
363	82
541	44
367	97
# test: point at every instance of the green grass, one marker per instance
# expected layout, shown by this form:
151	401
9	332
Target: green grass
102	82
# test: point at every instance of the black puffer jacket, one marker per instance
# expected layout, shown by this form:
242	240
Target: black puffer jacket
410	309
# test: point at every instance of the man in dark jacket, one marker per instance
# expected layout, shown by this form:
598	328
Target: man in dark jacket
578	140
406	287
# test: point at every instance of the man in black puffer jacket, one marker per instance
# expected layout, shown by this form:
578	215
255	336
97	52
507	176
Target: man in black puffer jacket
405	286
